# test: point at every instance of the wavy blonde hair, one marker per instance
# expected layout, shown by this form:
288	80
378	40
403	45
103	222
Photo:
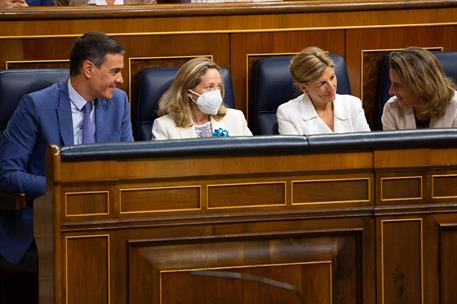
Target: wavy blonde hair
176	103
309	64
422	71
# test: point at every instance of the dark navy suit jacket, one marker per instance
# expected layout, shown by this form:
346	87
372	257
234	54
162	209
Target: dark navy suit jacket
43	118
40	2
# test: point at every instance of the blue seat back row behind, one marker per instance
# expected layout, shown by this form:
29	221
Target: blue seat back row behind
272	85
447	59
16	83
152	84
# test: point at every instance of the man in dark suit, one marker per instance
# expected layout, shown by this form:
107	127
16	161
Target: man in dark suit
55	116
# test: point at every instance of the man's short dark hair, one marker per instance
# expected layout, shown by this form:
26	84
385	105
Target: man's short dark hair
92	46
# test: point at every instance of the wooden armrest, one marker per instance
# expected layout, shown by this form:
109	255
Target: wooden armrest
12	201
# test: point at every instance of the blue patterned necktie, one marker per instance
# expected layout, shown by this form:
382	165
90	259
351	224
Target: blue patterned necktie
88	126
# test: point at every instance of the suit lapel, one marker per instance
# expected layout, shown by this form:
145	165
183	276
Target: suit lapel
64	115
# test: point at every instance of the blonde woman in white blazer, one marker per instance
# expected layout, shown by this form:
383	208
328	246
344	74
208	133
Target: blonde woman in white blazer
299	116
192	107
423	96
319	109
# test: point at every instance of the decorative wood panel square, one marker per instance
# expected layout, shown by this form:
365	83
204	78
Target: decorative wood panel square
324	268
330	191
88	203
401	188
159	199
444	186
246	195
87	263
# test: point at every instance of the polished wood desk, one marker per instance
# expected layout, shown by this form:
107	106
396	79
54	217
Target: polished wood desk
235	35
344	222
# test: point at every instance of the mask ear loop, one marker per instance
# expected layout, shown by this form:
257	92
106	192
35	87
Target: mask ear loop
193	101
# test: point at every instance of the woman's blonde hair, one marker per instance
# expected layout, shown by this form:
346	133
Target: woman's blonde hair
422	71
175	101
309	64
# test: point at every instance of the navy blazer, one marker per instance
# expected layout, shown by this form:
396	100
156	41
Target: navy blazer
43	118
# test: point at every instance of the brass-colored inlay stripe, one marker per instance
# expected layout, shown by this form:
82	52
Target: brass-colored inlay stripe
228	31
250	266
160	188
107	236
433	185
67	194
421	253
35	61
401	198
368	179
245	184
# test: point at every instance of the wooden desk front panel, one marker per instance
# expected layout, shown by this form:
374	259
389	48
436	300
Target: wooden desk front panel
328	260
377	227
272	218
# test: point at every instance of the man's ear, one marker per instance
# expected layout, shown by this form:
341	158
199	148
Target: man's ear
87	68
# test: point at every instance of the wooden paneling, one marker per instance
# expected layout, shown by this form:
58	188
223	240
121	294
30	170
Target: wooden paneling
86	203
448	248
444	186
401	188
159	199
401	261
246	195
316	265
236	36
87	269
349	190
238	213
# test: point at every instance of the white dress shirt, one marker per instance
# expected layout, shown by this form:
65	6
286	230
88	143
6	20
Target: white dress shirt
77	115
299	117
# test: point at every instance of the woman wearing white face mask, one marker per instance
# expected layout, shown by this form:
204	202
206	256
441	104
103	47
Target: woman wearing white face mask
193	107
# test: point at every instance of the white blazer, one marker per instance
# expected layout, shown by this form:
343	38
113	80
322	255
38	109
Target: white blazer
234	122
396	117
299	117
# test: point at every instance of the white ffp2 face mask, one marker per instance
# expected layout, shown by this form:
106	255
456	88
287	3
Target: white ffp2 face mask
209	102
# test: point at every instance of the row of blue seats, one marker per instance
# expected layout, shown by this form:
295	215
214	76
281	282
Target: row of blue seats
272	85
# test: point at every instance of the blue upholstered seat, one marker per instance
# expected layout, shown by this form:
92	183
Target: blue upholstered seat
16	83
447	59
151	86
272	85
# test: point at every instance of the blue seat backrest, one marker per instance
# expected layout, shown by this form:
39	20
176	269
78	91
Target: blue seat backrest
152	84
272	85
448	61
15	83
